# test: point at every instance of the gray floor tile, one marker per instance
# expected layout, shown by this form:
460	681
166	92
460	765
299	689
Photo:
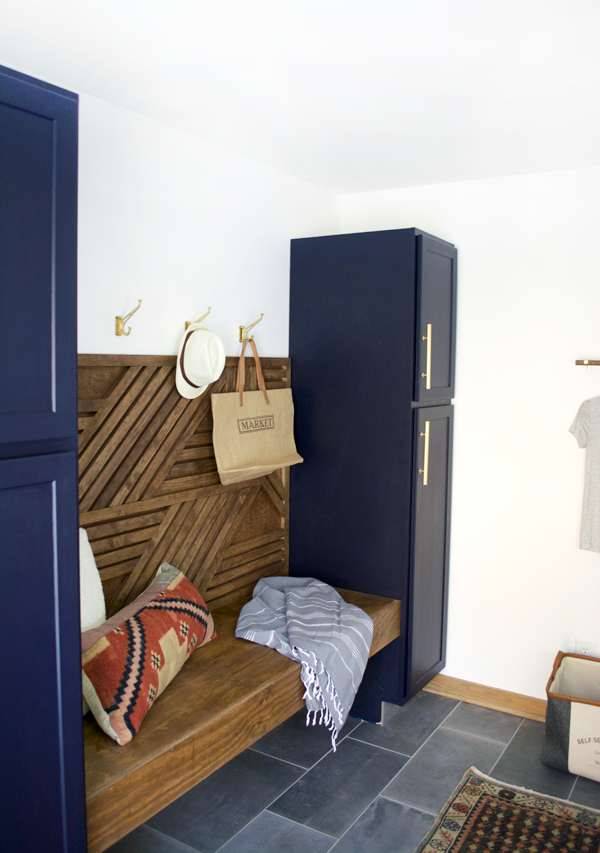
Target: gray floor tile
269	833
216	809
432	774
586	792
301	744
386	827
339	788
521	764
388	710
493	725
147	840
407	730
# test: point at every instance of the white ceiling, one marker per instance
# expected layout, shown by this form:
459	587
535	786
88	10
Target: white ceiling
352	95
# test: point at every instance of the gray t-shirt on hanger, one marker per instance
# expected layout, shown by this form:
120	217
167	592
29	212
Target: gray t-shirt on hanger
586	429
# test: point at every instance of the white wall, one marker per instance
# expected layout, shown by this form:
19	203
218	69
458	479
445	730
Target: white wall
529	305
182	224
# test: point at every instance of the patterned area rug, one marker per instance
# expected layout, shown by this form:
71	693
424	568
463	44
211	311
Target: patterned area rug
485	815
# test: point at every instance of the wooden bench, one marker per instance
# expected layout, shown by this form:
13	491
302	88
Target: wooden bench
228	695
149	492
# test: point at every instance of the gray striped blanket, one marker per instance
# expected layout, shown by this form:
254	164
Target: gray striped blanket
308	621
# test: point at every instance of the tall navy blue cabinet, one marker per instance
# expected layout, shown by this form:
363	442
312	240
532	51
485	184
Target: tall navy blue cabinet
372	342
43	800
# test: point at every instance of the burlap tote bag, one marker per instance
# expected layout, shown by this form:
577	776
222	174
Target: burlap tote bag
253	431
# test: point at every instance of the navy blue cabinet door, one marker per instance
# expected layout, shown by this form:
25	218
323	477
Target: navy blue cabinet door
428	595
41	741
436	320
42	803
352	299
38	272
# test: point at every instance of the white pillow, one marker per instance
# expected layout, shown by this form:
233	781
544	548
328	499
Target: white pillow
93	606
91	594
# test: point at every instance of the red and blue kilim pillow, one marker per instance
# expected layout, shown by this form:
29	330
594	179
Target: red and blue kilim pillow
129	660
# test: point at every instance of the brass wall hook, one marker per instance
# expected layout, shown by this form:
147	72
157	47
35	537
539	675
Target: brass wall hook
120	322
245	329
199	320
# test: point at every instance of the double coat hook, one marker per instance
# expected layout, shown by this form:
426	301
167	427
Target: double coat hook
120	322
199	320
245	329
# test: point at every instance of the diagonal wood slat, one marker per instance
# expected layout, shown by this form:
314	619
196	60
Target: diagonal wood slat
111	458
277	484
178	437
103	406
170	523
182	420
91	439
273	494
207	568
144	427
180	483
149	489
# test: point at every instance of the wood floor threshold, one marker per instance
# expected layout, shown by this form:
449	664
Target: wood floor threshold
488	697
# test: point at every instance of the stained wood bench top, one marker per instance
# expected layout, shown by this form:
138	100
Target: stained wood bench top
230	693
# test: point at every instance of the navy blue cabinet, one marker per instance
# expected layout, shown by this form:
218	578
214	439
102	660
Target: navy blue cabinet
38	273
41	744
372	342
436	320
428	592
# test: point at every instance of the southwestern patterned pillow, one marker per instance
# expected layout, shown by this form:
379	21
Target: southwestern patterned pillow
128	661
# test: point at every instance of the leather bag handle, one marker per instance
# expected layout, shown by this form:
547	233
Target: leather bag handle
241	375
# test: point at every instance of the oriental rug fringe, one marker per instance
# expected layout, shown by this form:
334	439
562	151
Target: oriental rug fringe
486	815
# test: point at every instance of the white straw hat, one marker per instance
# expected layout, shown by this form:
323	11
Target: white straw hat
200	361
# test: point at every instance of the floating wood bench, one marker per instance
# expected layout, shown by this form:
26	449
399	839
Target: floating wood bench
228	695
149	492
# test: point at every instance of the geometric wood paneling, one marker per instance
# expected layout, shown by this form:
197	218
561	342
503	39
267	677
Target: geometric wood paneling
149	489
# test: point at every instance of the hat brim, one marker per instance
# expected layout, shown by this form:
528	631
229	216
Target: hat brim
190	392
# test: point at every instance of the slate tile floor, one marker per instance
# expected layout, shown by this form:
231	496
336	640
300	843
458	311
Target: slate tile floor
379	793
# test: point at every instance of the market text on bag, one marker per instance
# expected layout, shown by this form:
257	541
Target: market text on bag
254	424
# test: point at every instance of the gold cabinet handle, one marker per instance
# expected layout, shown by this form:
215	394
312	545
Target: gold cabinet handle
427	375
425	469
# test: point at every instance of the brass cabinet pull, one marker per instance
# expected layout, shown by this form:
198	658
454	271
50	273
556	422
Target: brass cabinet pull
427	375
425	469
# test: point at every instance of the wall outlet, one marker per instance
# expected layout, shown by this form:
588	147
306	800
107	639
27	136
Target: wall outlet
585	647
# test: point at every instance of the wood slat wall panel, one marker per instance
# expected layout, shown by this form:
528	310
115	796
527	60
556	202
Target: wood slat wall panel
122	525
190	469
135	412
233	563
266	568
257	542
119	570
138	430
273	556
195	452
150	491
110	404
112	544
264	519
199	439
120	555
179	484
